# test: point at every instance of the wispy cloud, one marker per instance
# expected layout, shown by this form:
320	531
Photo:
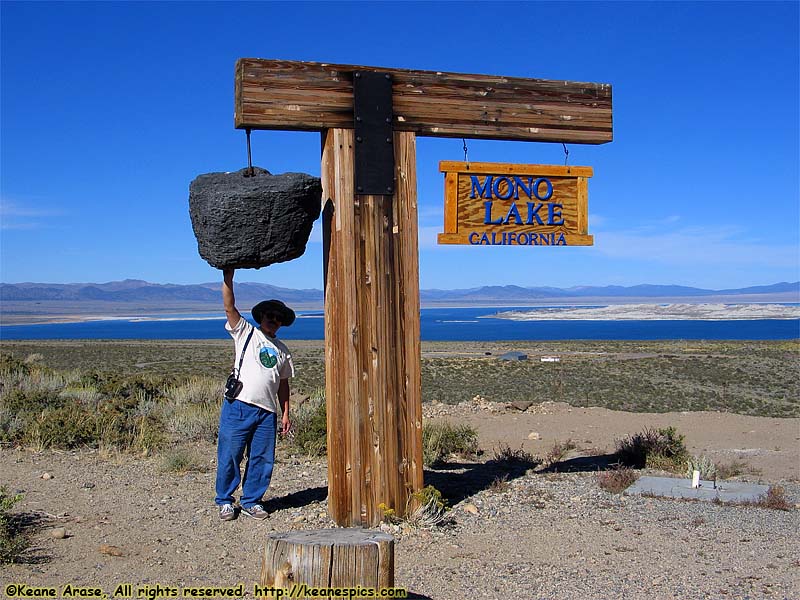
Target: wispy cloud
16	215
710	245
429	236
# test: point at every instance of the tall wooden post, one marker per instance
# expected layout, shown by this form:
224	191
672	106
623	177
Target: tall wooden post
372	373
372	362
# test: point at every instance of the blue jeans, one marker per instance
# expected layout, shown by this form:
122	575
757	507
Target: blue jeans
248	430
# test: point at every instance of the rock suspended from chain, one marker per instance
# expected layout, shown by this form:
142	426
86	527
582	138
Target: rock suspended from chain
251	221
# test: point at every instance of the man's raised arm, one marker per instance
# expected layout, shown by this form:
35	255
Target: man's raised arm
228	299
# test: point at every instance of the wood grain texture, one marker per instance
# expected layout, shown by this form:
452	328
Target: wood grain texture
583	205
493	168
451	203
373	381
329	558
522	212
274	94
471	212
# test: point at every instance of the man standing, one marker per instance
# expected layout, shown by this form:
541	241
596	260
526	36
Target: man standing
248	423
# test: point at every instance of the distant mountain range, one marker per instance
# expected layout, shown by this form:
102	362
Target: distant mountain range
135	290
142	292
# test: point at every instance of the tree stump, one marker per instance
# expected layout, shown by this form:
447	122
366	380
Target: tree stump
329	558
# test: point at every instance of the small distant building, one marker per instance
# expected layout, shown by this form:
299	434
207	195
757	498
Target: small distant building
513	356
551	359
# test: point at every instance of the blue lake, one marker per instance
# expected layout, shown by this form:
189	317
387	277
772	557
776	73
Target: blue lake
437	324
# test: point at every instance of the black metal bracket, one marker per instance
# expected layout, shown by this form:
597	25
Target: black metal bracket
372	124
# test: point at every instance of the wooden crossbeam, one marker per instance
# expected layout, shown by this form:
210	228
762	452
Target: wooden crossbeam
292	95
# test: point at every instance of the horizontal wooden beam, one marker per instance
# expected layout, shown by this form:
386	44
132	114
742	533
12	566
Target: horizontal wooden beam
491	168
305	96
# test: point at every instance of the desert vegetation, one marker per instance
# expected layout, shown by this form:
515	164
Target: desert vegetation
44	408
138	396
746	377
663	449
12	539
442	439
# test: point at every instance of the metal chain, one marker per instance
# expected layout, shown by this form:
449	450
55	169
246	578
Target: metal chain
250	171
566	153
465	150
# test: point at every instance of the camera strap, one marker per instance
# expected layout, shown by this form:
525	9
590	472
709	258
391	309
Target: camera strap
241	358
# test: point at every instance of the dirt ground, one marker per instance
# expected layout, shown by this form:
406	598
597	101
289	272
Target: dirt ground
768	446
544	534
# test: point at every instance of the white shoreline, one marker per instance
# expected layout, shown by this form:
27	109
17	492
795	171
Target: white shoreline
655	312
575	312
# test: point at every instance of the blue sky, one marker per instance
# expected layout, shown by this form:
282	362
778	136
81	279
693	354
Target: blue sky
110	110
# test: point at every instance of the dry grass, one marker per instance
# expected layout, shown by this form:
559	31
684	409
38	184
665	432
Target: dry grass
616	480
310	425
559	452
505	457
774	499
734	469
500	484
182	460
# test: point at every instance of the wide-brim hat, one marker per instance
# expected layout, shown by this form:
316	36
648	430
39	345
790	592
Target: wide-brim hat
286	313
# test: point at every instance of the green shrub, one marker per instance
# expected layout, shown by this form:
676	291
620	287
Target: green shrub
703	464
430	495
427	508
62	427
67	410
130	432
12	542
10	365
192	408
30	401
441	439
663	449
310	427
183	460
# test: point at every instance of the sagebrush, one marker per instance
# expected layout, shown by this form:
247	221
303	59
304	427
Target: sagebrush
12	543
440	439
663	449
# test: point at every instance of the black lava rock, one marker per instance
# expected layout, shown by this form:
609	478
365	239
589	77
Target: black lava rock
251	222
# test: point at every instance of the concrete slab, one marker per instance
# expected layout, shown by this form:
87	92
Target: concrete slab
725	491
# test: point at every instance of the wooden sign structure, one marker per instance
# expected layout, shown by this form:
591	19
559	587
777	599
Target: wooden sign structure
502	204
369	118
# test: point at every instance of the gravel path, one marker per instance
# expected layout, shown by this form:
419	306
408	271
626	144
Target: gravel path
542	535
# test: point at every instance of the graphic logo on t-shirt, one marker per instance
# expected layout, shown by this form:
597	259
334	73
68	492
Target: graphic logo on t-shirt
268	357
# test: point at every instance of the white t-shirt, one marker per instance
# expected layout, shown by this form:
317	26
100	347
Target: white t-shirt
266	361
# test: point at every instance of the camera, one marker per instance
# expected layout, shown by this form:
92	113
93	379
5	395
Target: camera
232	387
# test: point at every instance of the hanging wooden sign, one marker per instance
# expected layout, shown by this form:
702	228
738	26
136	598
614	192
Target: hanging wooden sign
504	204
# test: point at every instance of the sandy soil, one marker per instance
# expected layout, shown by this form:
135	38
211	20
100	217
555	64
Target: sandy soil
545	534
769	446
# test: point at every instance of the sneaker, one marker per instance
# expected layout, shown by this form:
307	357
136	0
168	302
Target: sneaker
256	511
227	512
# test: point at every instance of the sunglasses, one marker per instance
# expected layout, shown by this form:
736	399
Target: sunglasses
273	316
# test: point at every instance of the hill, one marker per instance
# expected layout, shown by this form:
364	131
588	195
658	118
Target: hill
43	302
